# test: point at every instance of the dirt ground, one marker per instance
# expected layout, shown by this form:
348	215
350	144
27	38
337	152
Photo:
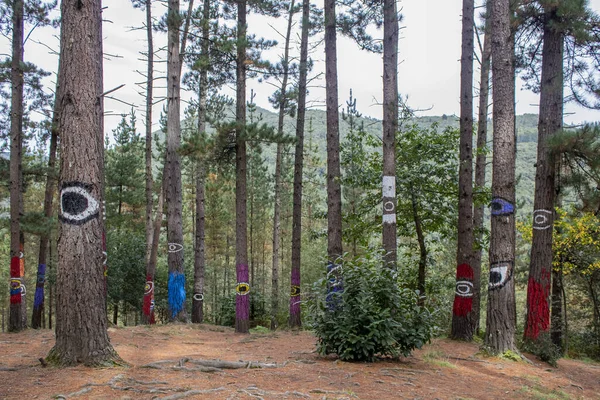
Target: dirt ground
441	370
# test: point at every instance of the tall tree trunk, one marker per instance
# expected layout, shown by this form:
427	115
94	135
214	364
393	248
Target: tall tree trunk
422	246
501	314
278	161
463	319
556	330
480	165
295	316
390	127
199	255
550	122
334	192
146	314
242	300
39	301
15	321
81	323
173	186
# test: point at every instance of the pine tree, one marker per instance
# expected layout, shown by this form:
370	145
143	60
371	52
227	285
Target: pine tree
242	306
334	191
390	127
501	312
16	317
463	318
480	165
295	316
81	323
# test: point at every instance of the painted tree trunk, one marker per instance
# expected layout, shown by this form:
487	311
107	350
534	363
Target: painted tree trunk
242	300
147	315
501	312
81	321
390	127
15	319
463	319
480	166
550	122
173	185
39	298
295	295
334	192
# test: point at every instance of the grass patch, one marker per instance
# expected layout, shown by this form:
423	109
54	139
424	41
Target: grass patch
538	392
438	357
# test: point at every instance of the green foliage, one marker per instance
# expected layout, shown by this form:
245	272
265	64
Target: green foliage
126	267
375	315
544	349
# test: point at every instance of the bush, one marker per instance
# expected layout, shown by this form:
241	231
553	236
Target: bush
374	314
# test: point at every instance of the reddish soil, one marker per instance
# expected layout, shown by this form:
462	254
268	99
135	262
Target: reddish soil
441	370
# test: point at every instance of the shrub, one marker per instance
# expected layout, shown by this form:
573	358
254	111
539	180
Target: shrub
373	315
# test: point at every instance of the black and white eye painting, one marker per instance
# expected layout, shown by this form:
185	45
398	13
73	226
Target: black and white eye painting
77	205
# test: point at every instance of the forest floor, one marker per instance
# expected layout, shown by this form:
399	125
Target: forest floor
443	369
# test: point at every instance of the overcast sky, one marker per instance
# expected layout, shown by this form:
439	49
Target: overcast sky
428	72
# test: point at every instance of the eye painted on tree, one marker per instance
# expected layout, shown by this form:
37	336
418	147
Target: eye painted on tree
541	219
198	296
149	288
295	291
175	247
242	288
464	288
151	304
23	289
15	285
500	273
501	207
77	205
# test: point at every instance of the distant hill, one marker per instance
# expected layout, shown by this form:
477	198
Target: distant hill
526	125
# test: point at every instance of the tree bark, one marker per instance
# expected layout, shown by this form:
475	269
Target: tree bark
463	319
422	247
556	318
295	295
501	314
480	165
173	185
390	127
146	313
550	122
39	301
15	319
334	191
242	303
81	321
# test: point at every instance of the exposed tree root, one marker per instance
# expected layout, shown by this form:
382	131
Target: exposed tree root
257	393
191	393
206	365
323	391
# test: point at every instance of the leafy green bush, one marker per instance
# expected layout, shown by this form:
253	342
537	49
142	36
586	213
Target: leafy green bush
374	315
